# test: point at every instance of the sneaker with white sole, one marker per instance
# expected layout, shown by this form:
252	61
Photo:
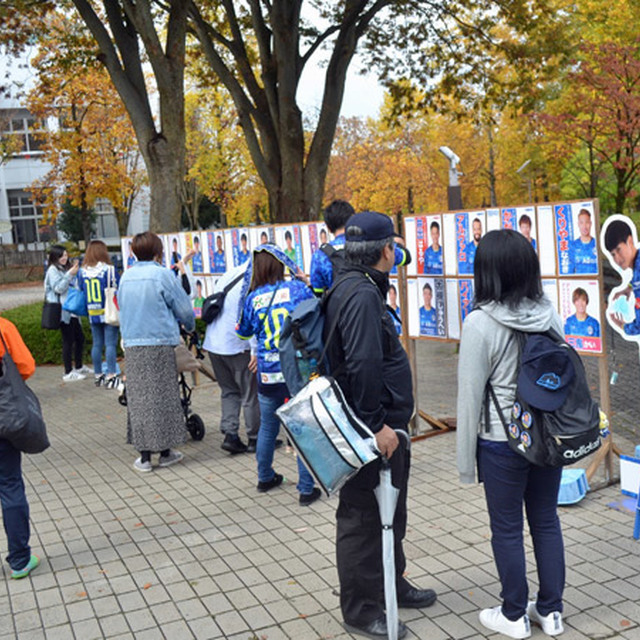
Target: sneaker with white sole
173	458
72	376
111	382
33	563
143	467
495	620
84	370
551	624
99	380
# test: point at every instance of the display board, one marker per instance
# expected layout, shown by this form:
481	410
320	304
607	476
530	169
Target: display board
214	252
439	292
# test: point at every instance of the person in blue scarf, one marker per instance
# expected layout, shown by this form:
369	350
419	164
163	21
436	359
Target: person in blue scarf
266	300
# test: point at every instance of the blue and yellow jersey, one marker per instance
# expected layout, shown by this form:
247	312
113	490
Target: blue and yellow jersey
428	322
588	327
467	267
219	262
254	321
433	261
94	280
583	256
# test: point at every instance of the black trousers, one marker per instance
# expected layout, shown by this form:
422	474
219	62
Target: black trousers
72	343
359	540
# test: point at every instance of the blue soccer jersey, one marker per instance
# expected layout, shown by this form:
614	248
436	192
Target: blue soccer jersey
467	267
396	318
196	263
254	321
583	256
219	262
131	260
243	256
433	261
428	322
633	328
589	327
94	281
321	272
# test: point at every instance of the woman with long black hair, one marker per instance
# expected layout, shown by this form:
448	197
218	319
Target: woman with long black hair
61	274
509	298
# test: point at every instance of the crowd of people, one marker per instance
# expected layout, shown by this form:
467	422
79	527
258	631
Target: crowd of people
371	368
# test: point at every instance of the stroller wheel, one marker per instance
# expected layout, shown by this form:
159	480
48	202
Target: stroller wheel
122	398
195	426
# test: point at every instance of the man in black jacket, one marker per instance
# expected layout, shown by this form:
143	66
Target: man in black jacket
373	371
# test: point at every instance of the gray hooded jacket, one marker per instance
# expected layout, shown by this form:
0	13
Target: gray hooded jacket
489	351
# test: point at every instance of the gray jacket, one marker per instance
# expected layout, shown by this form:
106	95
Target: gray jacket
489	351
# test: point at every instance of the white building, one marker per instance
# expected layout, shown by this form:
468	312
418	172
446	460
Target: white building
20	218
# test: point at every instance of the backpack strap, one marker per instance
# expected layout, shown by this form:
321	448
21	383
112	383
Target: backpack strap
233	283
328	249
489	392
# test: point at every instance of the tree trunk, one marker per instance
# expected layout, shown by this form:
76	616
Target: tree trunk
165	181
493	199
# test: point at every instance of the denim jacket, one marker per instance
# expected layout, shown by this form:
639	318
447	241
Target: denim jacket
152	305
56	286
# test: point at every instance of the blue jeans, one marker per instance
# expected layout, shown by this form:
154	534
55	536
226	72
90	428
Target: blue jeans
509	482
265	446
104	337
15	508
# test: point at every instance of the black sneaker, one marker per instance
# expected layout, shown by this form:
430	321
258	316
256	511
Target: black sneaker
278	443
99	380
233	444
251	447
309	498
112	382
276	481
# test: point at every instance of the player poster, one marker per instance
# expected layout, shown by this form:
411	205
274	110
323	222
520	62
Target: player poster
449	239
240	246
508	218
580	312
469	229
546	248
288	239
493	219
216	252
526	222
409	226
393	301
576	246
433	261
466	297
261	235
313	235
194	245
453	310
619	242
128	257
176	248
431	308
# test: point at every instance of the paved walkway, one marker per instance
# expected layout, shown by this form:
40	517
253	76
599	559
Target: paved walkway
193	551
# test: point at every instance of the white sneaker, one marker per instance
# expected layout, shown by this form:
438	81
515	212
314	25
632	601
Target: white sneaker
173	458
84	370
144	467
551	624
112	382
72	376
494	619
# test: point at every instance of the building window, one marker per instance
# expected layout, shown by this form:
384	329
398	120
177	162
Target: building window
26	219
106	222
26	130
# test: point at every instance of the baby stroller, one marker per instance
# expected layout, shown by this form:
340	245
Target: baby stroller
186	362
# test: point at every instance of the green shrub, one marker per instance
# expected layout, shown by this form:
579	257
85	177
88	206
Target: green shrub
45	345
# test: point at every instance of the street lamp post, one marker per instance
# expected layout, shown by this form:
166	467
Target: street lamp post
454	193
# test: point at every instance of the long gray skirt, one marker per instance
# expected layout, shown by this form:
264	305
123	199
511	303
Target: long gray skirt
155	420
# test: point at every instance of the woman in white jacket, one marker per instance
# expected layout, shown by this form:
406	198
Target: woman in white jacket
508	297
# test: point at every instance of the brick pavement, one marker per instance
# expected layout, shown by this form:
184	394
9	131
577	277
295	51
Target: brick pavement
193	551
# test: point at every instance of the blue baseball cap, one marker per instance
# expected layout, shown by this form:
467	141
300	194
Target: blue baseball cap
368	225
546	373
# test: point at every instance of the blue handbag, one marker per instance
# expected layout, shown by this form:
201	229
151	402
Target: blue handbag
76	302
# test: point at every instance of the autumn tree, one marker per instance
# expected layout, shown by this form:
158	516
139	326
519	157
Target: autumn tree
92	148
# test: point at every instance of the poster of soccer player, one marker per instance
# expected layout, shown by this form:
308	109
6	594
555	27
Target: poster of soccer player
526	218
288	239
216	253
433	263
312	235
619	242
576	246
546	247
176	248
261	235
193	244
199	296
128	257
431	310
465	290
240	246
580	312
469	229
393	301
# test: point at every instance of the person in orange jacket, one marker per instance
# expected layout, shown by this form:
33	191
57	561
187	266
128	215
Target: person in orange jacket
15	508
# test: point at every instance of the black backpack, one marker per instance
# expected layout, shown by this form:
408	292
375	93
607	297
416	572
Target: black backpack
213	304
553	421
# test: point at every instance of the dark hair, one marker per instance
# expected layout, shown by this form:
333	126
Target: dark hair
392	286
618	231
243	237
584	212
579	292
427	286
287	235
198	283
265	235
267	269
476	220
196	239
96	252
56	251
524	218
435	224
147	246
337	214
506	269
